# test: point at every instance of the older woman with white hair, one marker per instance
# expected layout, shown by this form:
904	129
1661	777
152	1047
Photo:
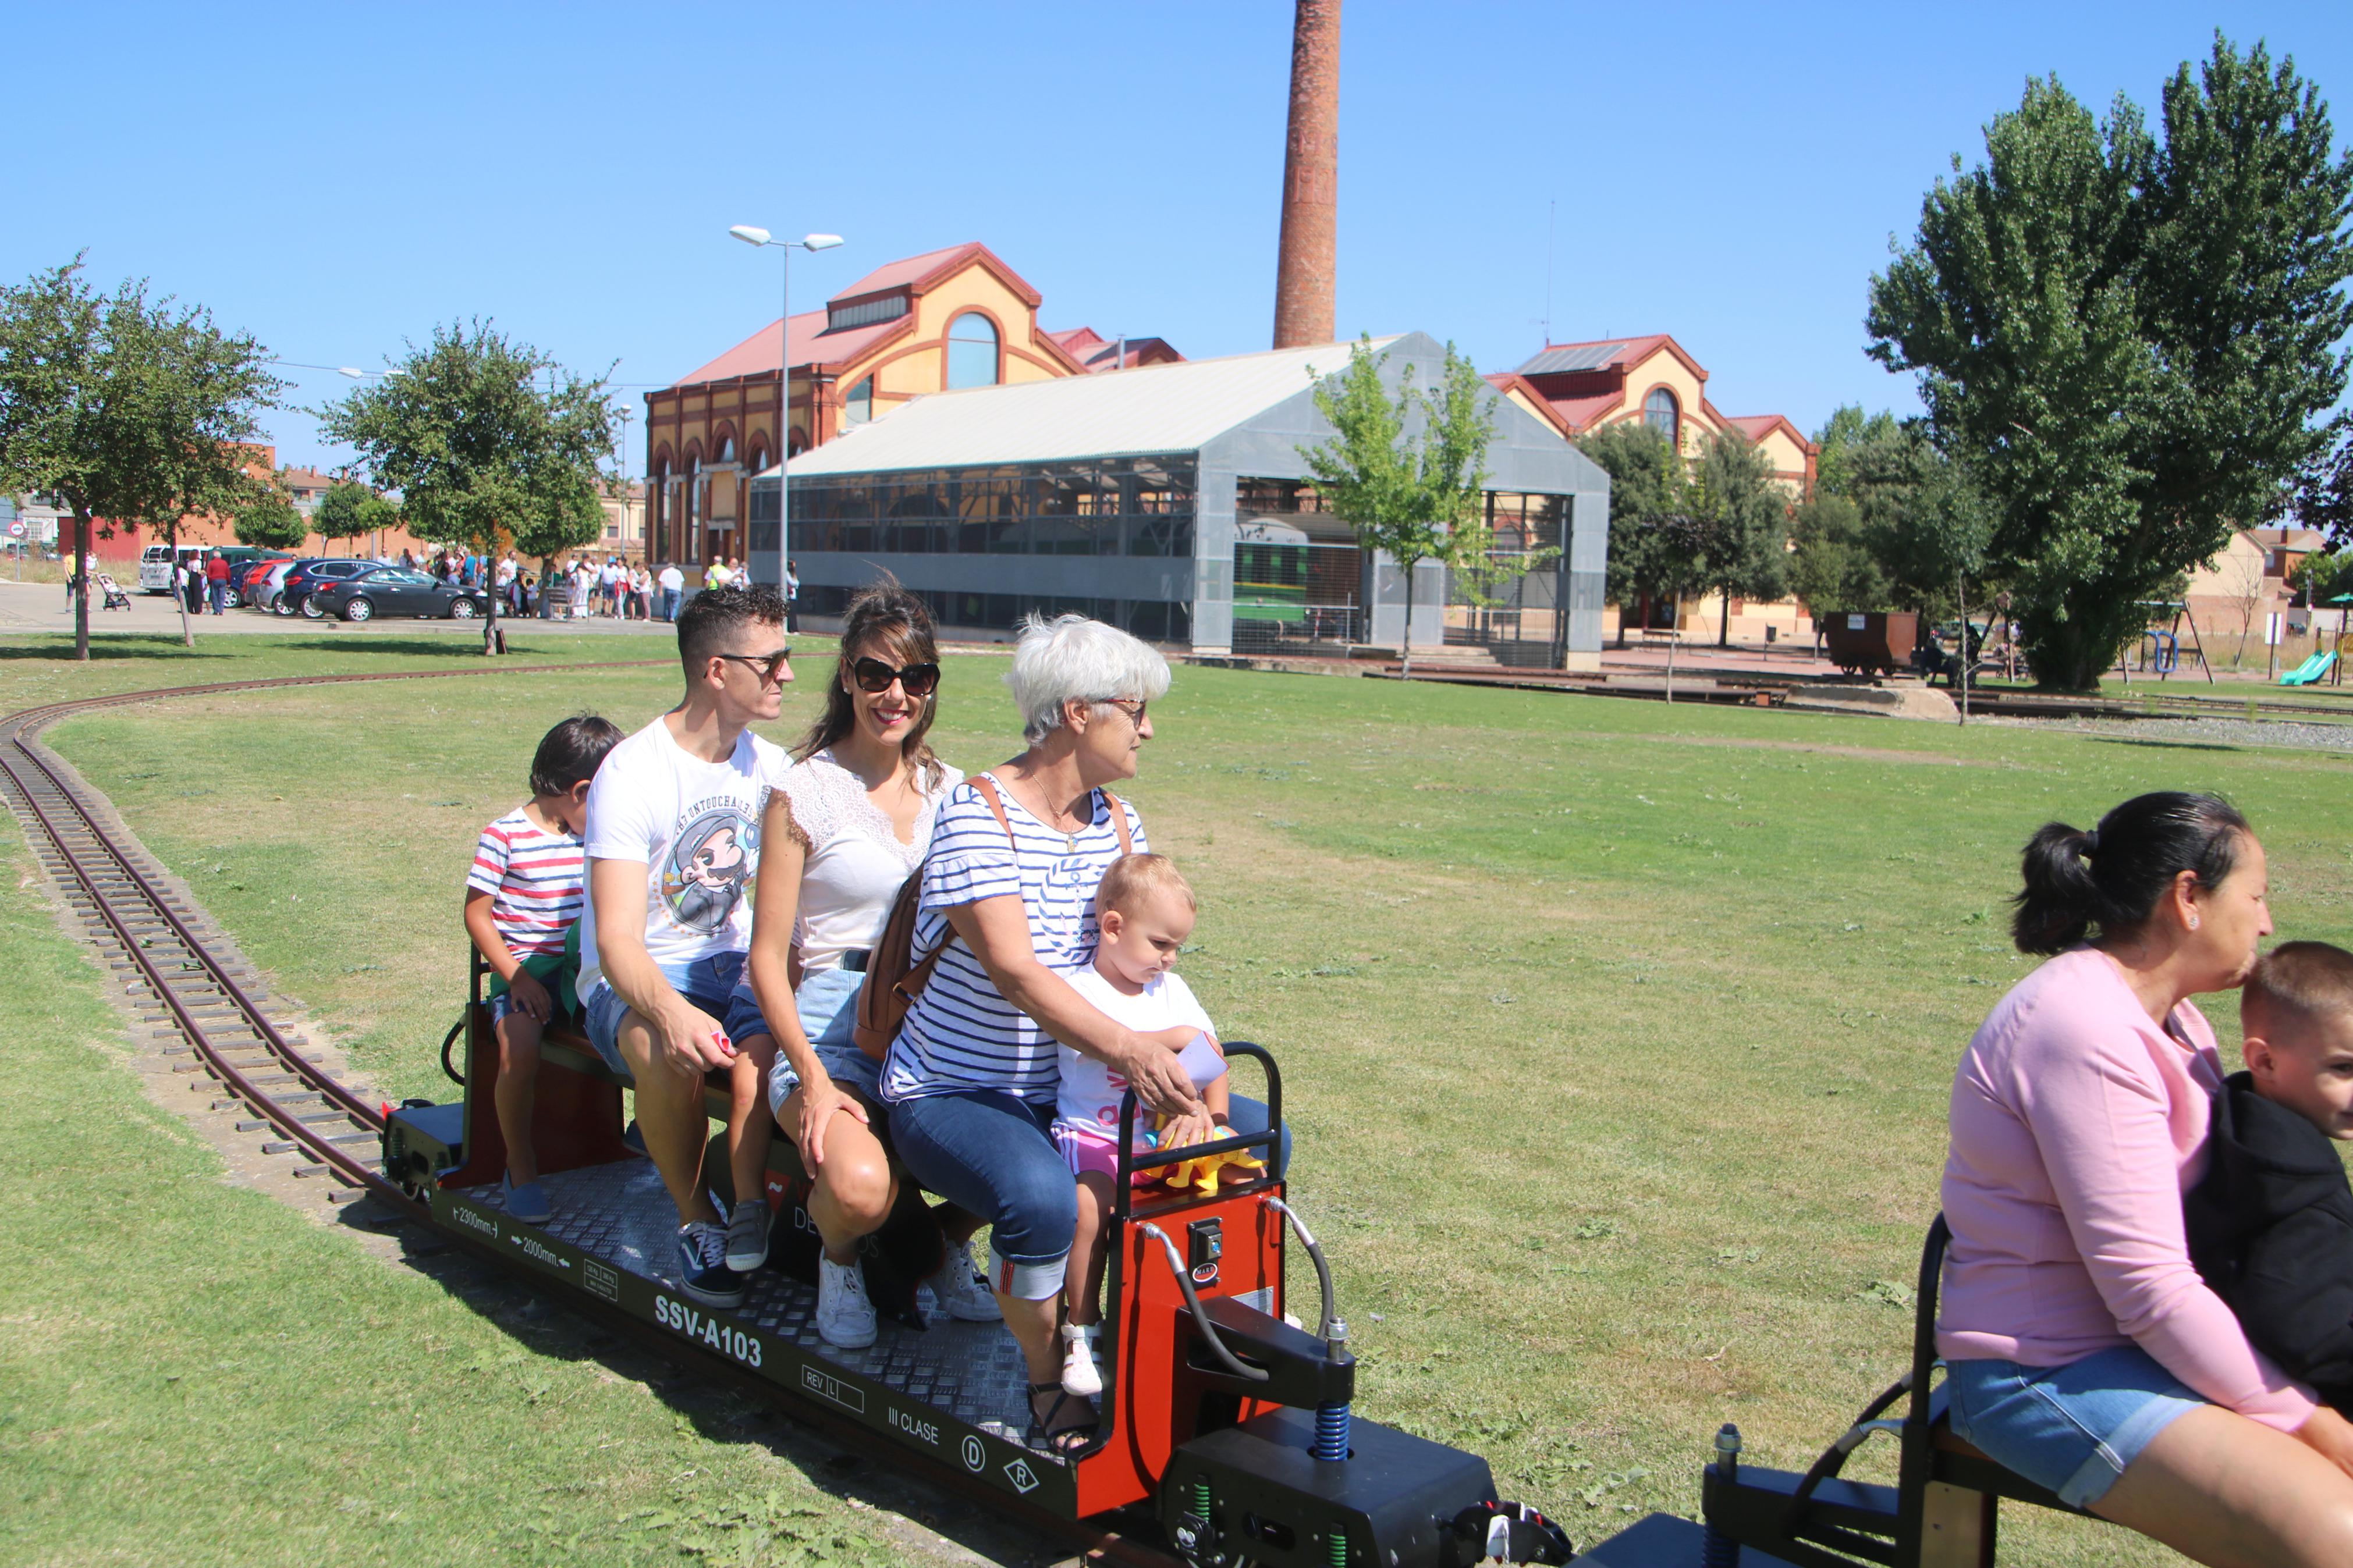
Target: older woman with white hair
1008	900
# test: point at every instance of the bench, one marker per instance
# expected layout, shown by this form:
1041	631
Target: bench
1942	1511
577	1117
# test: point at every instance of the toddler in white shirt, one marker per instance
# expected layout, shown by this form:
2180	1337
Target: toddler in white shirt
1143	913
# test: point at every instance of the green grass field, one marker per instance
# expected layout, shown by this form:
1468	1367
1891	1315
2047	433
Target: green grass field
1616	1037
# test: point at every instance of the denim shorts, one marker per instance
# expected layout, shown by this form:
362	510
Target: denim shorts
709	983
2070	1429
828	1000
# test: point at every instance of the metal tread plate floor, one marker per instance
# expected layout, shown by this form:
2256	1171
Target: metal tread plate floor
950	1373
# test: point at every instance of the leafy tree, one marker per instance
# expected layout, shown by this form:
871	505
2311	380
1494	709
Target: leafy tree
1732	485
1834	568
477	449
270	521
2128	341
1847	428
134	411
348	511
1646	485
1415	493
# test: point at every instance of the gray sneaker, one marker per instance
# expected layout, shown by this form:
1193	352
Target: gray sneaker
747	1235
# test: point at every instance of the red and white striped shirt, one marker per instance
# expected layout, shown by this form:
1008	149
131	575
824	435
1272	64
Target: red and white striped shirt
534	878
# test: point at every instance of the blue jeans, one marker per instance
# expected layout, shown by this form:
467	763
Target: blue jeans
2070	1429
221	597
670	604
708	983
828	1000
987	1152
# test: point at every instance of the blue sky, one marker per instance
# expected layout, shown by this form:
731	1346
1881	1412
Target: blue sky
338	178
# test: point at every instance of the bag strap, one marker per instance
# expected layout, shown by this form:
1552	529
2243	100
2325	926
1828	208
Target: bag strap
987	788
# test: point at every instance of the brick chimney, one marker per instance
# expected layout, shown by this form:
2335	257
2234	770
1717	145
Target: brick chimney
1304	274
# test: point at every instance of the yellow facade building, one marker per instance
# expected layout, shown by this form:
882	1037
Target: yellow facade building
944	320
1580	387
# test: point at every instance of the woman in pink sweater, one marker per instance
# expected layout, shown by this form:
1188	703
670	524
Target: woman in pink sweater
2081	1348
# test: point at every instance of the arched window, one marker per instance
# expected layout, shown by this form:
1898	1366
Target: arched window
857	407
1661	414
726	450
972	350
760	455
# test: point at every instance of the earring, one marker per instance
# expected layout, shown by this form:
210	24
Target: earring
2193	922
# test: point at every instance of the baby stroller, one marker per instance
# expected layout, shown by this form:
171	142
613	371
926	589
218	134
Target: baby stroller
116	599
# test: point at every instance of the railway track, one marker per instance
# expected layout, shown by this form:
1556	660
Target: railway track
211	1010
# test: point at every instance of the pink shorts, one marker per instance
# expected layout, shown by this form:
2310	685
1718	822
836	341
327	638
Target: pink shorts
1092	1156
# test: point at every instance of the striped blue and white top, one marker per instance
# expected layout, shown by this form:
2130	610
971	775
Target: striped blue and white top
961	1034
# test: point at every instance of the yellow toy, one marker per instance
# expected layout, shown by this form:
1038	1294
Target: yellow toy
1202	1174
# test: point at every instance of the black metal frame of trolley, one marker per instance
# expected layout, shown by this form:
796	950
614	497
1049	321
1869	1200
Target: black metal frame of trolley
1216	1405
1942	1512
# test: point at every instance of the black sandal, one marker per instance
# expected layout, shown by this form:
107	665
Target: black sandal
1070	1441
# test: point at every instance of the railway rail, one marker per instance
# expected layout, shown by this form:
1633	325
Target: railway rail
213	1010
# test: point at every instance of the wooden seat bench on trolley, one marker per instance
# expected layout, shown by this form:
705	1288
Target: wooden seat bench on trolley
1942	1511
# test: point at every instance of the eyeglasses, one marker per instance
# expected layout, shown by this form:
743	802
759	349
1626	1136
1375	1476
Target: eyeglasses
770	665
873	676
1134	714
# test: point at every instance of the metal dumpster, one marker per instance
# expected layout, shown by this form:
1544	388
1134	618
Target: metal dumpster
1877	642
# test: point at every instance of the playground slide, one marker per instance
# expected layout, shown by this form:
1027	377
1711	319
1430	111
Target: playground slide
2310	671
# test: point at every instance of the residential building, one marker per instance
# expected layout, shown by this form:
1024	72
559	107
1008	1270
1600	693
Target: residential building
2231	594
944	321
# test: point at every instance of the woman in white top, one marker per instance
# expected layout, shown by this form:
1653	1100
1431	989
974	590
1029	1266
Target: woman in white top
847	824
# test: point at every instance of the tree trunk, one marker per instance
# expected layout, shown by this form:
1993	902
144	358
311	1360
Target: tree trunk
1674	634
82	595
1724	625
1961	598
1406	642
187	638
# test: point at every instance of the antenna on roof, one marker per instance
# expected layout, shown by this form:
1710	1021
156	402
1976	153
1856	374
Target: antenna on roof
1552	213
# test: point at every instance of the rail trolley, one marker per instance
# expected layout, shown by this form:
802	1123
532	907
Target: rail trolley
1227	1428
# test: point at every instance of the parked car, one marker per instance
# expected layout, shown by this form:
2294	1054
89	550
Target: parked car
245	580
396	591
262	592
294	594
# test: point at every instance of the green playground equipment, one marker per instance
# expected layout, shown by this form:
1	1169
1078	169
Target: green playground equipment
2310	671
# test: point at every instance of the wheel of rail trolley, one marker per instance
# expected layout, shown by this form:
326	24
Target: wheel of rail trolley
1227	1423
1941	1512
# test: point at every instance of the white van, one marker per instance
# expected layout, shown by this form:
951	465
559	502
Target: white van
155	565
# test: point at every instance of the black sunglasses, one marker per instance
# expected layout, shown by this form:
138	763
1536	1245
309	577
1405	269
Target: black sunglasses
770	665
873	676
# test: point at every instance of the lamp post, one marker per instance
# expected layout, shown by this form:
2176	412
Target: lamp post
760	237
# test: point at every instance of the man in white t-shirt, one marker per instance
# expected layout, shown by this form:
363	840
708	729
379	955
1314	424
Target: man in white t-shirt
673	843
672	582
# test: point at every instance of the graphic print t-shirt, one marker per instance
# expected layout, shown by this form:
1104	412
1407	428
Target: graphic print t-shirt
696	827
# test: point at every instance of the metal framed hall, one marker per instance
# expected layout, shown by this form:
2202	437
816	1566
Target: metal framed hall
1173	500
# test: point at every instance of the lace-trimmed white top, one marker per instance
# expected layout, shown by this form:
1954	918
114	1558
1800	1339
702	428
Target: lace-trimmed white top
856	864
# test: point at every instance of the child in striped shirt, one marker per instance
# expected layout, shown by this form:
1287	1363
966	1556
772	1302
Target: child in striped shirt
523	899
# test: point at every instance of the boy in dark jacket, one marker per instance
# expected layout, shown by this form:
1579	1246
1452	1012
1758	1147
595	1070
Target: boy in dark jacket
2271	1223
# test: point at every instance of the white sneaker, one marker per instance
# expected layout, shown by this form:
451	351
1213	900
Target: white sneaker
959	1293
845	1318
1080	1374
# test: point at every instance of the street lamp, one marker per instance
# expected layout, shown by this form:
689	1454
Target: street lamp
760	237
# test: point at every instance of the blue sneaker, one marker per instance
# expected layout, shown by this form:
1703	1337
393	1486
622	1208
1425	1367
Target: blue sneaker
702	1271
633	1140
526	1202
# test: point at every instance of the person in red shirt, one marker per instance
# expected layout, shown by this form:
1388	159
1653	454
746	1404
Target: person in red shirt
216	582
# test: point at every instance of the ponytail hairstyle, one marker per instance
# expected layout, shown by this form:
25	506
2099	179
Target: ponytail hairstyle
2112	877
883	612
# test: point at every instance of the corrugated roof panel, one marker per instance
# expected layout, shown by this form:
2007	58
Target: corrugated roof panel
1120	413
